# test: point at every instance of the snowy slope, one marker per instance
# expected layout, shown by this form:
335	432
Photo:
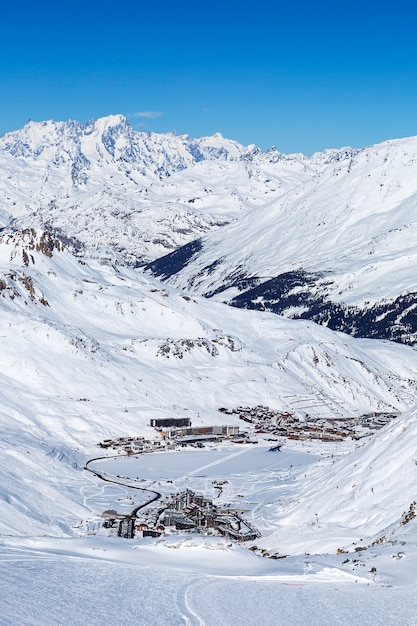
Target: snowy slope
340	248
329	238
366	499
90	351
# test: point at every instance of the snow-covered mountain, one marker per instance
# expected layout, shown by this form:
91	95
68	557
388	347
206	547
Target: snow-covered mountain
340	248
329	238
93	348
90	351
134	195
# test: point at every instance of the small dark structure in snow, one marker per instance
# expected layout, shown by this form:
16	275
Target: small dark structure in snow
275	449
170	421
126	528
150	532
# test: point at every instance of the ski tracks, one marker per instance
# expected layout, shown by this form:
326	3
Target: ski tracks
218	462
184	604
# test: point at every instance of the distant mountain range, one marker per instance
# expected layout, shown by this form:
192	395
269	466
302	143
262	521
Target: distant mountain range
133	195
331	238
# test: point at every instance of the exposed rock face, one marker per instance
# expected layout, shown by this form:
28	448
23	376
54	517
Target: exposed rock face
29	239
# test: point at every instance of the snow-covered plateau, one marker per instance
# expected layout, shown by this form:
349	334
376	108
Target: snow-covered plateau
94	348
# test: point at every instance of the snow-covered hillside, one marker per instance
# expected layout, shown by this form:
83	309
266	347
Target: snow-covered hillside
366	499
329	238
90	351
340	248
93	348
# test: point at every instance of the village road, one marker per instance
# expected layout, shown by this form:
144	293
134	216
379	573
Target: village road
156	494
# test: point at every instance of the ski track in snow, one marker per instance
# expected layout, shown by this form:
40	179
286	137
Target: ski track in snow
184	605
214	463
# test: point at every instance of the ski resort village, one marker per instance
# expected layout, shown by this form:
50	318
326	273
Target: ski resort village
208	391
187	511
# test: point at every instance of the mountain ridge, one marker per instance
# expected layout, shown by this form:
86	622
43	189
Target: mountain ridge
146	193
329	238
346	238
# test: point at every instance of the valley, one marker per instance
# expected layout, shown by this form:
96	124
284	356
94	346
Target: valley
171	317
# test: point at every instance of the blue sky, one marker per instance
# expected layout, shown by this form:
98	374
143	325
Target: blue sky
302	76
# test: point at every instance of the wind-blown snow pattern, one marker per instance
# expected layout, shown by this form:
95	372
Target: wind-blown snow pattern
93	348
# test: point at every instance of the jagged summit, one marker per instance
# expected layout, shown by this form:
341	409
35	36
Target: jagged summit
142	194
113	137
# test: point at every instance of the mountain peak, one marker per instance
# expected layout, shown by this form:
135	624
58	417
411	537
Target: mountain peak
108	121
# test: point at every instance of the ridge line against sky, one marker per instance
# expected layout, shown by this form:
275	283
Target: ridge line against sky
303	77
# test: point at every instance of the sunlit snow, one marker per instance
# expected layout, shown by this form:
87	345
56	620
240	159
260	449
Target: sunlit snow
93	349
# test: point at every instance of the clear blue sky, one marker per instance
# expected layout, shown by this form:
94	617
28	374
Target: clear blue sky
299	75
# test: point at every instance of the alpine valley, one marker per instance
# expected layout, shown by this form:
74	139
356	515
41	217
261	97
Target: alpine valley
149	278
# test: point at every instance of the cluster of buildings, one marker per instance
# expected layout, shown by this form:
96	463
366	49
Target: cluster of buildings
175	431
172	433
285	424
186	511
132	445
128	526
190	511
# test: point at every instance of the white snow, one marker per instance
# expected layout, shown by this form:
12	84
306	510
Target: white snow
92	349
353	220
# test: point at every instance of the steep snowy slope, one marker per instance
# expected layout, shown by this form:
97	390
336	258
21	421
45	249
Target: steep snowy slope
339	249
137	194
90	351
366	499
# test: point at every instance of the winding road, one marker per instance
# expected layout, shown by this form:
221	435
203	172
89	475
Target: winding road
133	514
